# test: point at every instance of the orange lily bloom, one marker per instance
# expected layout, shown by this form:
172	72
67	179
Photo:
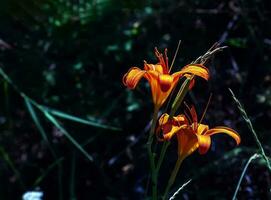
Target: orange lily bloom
191	135
159	77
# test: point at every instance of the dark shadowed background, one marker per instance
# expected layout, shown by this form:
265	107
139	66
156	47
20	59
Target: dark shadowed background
70	55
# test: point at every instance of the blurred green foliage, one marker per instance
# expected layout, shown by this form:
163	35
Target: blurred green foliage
71	55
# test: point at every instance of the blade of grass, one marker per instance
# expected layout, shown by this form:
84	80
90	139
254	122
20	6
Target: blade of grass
178	191
243	173
226	161
47	171
36	120
9	162
69	137
45	138
53	111
250	126
80	120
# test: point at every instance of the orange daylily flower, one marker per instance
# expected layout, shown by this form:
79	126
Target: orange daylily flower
159	77
191	135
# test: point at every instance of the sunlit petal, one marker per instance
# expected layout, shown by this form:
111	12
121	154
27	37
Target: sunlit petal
196	69
165	82
132	77
158	68
223	129
204	142
169	131
202	128
180	120
170	127
187	142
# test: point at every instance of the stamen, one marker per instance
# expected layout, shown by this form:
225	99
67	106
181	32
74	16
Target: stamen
194	121
156	52
166	58
161	60
206	107
188	117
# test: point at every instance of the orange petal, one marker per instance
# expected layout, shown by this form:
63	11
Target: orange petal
171	126
187	142
180	120
152	77
202	129
132	77
204	143
163	119
165	82
169	131
196	69
223	129
153	67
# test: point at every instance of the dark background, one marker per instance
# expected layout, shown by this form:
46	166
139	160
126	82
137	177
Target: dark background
71	55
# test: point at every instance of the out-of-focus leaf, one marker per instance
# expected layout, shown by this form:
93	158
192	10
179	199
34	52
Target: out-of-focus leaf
80	120
72	140
36	120
47	171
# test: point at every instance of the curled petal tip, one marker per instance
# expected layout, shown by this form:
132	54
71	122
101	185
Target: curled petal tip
228	131
132	77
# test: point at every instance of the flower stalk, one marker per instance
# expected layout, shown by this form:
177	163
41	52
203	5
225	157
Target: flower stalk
173	176
152	155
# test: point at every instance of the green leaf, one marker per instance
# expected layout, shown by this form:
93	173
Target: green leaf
47	171
72	140
36	120
80	120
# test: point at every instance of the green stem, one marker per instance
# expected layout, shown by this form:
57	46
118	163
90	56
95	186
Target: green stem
152	155
180	96
162	155
173	177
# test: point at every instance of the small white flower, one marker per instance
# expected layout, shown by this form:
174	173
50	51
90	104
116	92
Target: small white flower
33	195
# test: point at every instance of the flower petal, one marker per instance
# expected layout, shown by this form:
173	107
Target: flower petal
204	142
170	126
156	67
165	82
169	131
132	77
223	129
202	128
196	69
187	142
